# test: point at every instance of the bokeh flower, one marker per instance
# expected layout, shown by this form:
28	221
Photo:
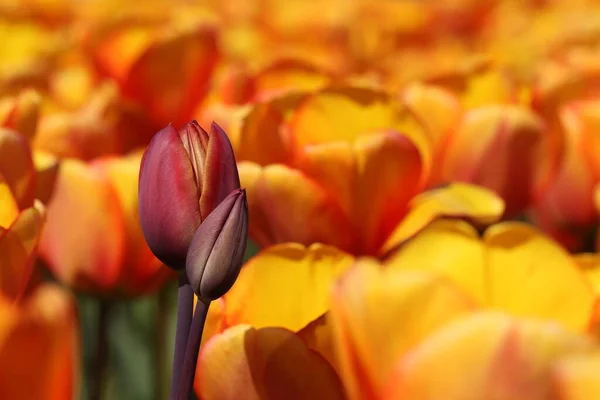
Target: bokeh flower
93	240
341	166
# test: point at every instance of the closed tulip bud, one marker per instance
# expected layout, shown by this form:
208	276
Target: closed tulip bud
183	176
217	249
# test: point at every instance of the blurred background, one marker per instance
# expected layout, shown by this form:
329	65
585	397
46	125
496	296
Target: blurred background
84	85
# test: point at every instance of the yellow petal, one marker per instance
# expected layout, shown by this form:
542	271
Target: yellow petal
439	110
267	363
260	138
455	200
287	285
16	166
345	114
530	275
485	356
515	269
287	76
577	377
17	251
318	336
459	255
9	209
374	308
297	209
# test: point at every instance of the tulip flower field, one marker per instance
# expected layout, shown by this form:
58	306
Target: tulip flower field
300	199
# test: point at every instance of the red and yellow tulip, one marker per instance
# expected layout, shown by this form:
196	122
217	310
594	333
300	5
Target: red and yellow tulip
341	166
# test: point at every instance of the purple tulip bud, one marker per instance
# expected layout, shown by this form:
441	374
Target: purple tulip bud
217	250
183	176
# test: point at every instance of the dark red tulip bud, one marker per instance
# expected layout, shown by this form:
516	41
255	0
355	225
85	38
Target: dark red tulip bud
217	250
183	176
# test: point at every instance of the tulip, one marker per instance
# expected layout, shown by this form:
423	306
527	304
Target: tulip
38	324
513	267
164	67
99	248
426	323
218	248
301	278
184	175
567	210
39	344
343	166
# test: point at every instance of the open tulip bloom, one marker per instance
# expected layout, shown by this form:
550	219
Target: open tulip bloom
195	219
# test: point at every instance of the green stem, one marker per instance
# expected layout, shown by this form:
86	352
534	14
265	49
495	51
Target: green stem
99	368
161	388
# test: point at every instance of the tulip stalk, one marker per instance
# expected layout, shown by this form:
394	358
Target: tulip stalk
101	352
186	388
185	306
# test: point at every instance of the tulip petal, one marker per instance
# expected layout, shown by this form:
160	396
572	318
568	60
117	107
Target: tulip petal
220	171
17	167
379	314
590	265
347	113
567	205
142	272
84	237
46	166
261	138
532	276
9	209
289	75
391	170
515	269
38	356
169	211
459	255
498	147
438	109
267	363
171	76
299	277
297	209
17	251
485	356
455	200
577	377
218	247
318	336
259	230
21	113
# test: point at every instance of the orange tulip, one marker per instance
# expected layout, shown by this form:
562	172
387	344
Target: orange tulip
39	346
38	324
513	267
162	63
567	211
93	240
341	166
402	329
482	134
300	279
